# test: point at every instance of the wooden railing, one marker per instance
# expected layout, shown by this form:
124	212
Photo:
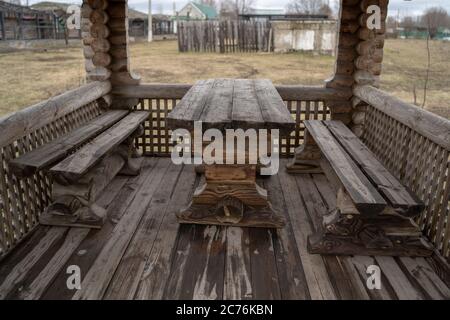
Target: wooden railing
22	200
303	102
414	144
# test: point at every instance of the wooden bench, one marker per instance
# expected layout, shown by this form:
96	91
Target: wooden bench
82	163
374	211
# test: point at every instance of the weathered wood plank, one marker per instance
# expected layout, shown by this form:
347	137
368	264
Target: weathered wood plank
191	106
246	112
420	271
291	277
319	285
158	265
264	280
128	274
365	197
361	264
388	185
99	275
198	266
25	121
177	91
24	266
397	279
237	283
272	107
55	150
76	165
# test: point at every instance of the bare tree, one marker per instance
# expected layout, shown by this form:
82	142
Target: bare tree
309	7
233	8
435	18
211	3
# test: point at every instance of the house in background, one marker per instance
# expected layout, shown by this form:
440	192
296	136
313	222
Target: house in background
24	23
138	24
59	9
197	11
314	33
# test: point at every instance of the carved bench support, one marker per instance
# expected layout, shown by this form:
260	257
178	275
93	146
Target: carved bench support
348	232
74	201
306	157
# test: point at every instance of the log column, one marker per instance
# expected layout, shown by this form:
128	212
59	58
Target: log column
359	56
120	57
104	26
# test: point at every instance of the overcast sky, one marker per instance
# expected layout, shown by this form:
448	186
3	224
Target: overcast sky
412	7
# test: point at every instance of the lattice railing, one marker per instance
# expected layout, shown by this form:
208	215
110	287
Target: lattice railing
23	199
395	132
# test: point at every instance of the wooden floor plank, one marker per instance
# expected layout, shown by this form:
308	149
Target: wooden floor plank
320	199
85	255
199	265
291	276
398	280
157	267
128	274
238	281
361	264
319	284
264	280
21	269
419	270
35	286
99	275
152	258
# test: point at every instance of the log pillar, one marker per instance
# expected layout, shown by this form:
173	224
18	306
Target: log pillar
358	59
104	29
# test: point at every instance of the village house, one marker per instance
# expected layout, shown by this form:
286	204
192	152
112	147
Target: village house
197	11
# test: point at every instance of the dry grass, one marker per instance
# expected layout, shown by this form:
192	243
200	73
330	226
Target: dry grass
30	76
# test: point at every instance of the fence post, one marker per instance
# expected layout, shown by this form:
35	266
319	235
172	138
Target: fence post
2	25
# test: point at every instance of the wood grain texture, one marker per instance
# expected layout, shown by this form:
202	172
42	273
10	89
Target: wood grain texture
76	165
366	198
201	261
50	153
398	196
228	103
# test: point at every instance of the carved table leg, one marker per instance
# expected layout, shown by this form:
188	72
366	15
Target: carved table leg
306	157
231	196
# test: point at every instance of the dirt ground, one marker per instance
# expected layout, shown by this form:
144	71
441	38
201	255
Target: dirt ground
29	76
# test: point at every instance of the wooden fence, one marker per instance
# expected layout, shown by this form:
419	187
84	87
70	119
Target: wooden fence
224	36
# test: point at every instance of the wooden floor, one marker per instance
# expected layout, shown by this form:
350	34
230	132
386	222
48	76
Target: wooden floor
142	252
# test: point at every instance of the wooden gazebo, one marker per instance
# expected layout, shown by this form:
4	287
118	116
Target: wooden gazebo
135	248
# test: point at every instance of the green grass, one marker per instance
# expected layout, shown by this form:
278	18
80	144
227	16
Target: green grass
30	76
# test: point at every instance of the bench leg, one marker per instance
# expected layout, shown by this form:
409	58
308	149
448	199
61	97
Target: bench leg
348	232
306	157
130	154
74	202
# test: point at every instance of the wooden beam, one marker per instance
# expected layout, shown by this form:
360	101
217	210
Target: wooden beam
177	91
428	124
20	123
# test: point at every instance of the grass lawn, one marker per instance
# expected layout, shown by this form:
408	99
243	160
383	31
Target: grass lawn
29	76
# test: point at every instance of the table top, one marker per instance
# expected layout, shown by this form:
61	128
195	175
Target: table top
232	104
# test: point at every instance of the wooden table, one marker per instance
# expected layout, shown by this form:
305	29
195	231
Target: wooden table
230	194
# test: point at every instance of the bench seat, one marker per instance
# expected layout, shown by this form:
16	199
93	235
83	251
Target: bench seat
78	164
54	151
374	210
